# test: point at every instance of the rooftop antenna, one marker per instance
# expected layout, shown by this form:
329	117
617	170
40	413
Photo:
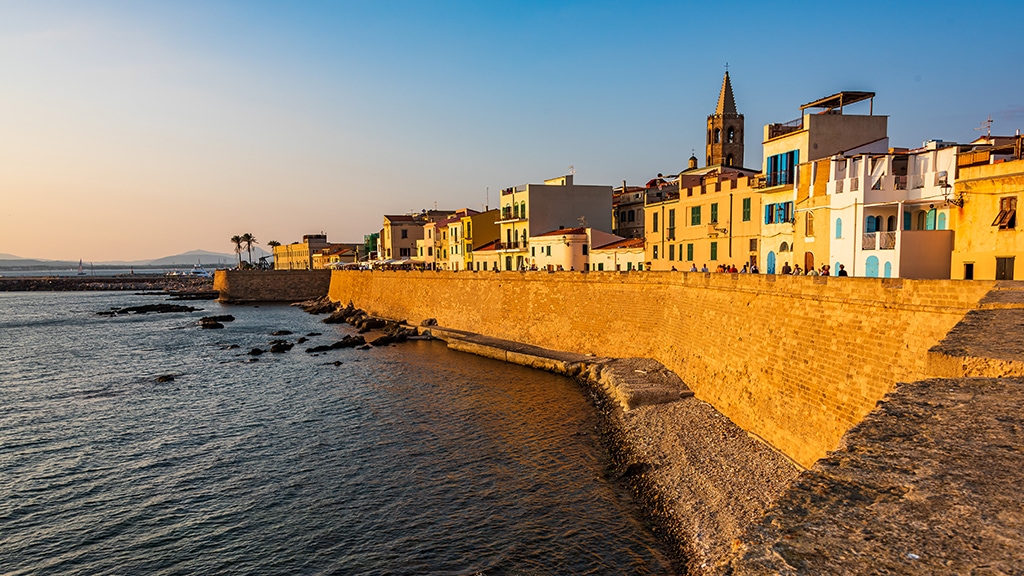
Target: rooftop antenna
572	170
986	125
487	206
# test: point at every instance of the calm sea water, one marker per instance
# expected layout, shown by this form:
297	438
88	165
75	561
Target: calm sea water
405	460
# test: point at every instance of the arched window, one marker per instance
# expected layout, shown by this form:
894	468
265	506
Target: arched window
718	135
730	136
920	220
891	224
809	225
929	222
888	270
728	160
942	221
839	228
784	247
870	225
524	237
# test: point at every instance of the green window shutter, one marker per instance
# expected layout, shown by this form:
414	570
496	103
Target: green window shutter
714	212
746	209
714	250
689	252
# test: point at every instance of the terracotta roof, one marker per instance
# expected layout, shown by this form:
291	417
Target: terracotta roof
399	217
563	232
624	243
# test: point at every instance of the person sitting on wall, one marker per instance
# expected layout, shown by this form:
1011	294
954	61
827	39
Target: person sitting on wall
704	268
797	271
842	270
693	267
824	270
812	272
786	268
744	269
754	269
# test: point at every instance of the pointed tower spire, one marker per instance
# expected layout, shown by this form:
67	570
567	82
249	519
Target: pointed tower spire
726	102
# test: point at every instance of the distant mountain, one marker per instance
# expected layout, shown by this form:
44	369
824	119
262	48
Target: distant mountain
195	256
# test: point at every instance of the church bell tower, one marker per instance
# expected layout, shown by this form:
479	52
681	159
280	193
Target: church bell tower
725	130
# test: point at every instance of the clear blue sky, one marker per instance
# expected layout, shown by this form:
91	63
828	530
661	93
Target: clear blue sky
133	130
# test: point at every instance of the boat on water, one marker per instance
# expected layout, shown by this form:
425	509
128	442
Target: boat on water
197	271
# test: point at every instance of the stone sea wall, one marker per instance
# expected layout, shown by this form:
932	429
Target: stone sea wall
238	286
797	361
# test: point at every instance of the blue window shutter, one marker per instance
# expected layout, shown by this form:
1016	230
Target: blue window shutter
767	213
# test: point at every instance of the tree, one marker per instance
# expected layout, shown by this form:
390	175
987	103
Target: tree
248	239
273	244
238	241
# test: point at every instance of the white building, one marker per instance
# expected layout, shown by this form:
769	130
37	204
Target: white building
566	249
889	212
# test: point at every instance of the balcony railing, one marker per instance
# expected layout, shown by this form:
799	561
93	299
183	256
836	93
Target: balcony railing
900	182
510	246
775	130
854	184
878	241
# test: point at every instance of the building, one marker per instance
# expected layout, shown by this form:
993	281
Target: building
889	212
299	255
620	255
532	209
709	217
566	249
336	255
478	229
822	131
989	187
401	231
725	130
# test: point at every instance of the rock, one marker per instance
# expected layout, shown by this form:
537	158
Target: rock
370	323
282	333
255	352
210	325
221	318
165	378
311	334
281	347
147	308
346	342
429	322
301	340
364	347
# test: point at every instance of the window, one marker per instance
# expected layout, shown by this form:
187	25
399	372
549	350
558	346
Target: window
600	267
533	251
404	252
671	224
782	168
714	250
655	255
809	225
730	136
871	224
746	209
968	270
689	252
714	213
469	229
718	135
1007	217
585	250
654	222
784	247
839	228
695	216
728	160
548	251
405	233
753	244
671	252
778	213
632	216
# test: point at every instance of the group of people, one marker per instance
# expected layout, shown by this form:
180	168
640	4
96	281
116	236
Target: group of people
825	270
788	270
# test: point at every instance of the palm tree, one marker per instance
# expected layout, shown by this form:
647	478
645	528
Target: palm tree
248	239
238	241
273	244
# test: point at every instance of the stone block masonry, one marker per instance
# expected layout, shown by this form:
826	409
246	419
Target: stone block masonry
238	286
797	361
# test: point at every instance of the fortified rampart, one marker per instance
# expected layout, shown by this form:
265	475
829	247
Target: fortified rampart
271	285
796	360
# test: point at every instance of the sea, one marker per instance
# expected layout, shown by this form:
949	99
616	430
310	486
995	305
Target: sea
409	459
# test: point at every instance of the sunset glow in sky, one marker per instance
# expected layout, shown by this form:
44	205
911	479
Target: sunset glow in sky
135	130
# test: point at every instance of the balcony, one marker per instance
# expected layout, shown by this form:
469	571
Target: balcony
776	130
510	216
510	246
878	241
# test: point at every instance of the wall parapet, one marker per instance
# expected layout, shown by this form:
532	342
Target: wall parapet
796	360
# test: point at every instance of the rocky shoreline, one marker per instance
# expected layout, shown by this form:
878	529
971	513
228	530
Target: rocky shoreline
139	282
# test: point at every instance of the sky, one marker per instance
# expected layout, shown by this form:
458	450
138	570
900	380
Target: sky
135	130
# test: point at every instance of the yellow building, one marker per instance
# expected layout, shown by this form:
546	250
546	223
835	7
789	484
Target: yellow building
788	145
711	220
299	255
621	255
477	231
989	236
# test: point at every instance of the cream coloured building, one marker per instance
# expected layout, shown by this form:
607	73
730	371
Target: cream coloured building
618	256
532	209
